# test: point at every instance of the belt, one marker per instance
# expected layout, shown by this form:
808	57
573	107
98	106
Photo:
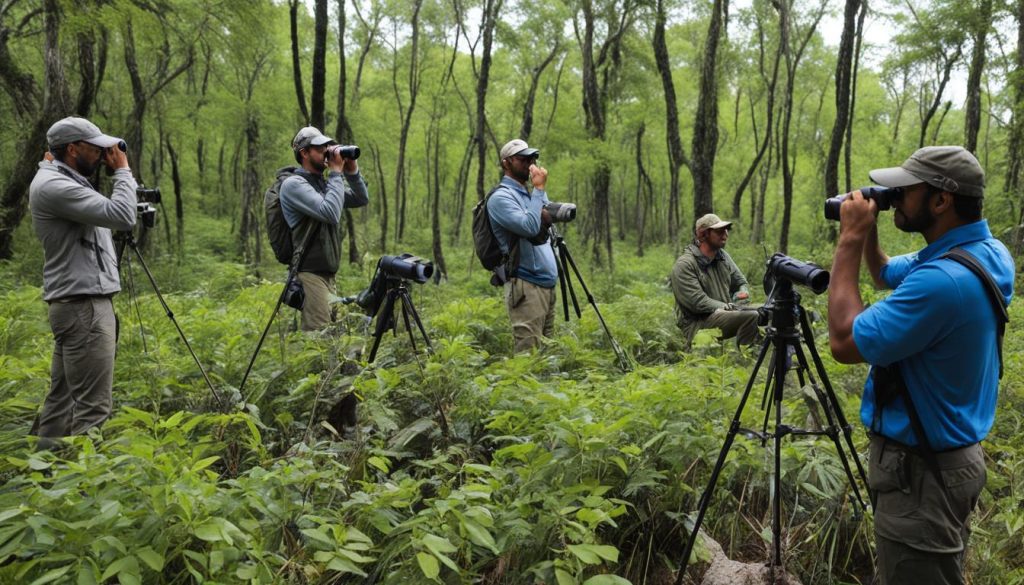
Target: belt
79	298
917	450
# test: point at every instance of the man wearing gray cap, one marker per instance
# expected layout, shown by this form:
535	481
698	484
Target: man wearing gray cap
934	345
710	290
80	276
312	201
520	224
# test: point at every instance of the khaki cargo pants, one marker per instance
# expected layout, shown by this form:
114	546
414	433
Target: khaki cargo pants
921	528
316	310
531	309
738	323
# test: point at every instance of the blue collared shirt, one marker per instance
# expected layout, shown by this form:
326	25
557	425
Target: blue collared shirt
515	212
940	325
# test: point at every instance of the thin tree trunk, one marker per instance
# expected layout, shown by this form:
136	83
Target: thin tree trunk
300	92
972	115
531	95
414	85
317	110
674	143
249	230
705	123
179	207
843	97
489	19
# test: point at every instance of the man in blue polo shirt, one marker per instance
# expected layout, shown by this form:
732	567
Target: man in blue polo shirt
517	214
933	348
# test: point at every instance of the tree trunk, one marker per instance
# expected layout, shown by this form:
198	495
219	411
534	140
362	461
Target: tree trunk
1016	140
342	130
949	60
383	198
414	85
843	96
488	20
705	123
300	92
319	86
56	104
531	95
676	155
972	122
179	207
249	230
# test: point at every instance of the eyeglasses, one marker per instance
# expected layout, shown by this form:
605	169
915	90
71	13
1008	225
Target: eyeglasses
525	158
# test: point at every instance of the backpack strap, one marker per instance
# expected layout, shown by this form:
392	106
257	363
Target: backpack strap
509	260
995	296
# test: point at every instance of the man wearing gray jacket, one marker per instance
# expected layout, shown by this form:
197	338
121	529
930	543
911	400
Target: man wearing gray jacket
80	276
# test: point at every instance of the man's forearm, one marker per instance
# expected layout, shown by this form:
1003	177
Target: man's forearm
875	258
844	302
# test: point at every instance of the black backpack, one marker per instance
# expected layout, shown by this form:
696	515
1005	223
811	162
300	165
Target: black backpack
278	232
486	246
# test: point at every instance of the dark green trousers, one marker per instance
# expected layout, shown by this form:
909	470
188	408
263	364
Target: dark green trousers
921	525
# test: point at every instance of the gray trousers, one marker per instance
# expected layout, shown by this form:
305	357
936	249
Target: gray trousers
82	371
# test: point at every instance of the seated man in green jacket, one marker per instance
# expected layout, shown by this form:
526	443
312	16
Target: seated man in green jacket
709	289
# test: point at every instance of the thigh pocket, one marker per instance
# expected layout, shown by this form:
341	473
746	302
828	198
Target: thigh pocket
889	472
515	293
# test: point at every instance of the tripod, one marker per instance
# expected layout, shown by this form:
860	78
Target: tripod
124	240
564	260
396	290
784	339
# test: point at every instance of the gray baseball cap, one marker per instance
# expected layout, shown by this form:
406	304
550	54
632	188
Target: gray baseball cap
517	146
72	129
950	168
711	222
310	136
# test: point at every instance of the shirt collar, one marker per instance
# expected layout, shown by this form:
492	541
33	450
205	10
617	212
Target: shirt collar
74	174
515	185
965	234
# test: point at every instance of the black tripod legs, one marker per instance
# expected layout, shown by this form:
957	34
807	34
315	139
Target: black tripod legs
386	319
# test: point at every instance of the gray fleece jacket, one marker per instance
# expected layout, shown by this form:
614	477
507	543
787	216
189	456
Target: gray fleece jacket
73	222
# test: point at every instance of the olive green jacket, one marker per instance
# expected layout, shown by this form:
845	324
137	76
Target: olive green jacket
702	286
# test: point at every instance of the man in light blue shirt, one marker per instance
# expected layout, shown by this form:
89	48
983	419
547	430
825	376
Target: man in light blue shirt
935	355
519	220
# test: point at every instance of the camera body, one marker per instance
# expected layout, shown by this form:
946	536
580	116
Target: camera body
349	151
145	209
883	197
561	212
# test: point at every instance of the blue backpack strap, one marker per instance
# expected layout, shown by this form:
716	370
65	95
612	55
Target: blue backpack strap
995	296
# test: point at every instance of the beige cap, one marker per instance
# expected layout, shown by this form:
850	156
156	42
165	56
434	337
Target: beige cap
310	136
517	146
711	222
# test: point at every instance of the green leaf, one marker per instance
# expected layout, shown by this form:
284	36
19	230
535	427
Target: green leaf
52	575
438	545
607	580
153	559
480	535
564	578
208	531
593	553
204	463
378	462
343	565
126	569
428	564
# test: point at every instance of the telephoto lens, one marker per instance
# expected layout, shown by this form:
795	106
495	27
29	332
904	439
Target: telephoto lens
804	273
561	212
407	266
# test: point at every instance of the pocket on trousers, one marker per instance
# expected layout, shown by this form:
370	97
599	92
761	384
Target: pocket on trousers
515	294
67	318
889	472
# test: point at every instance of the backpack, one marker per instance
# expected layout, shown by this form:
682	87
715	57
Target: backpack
487	248
278	232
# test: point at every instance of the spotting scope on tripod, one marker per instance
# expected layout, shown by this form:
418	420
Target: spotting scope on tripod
788	330
388	287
